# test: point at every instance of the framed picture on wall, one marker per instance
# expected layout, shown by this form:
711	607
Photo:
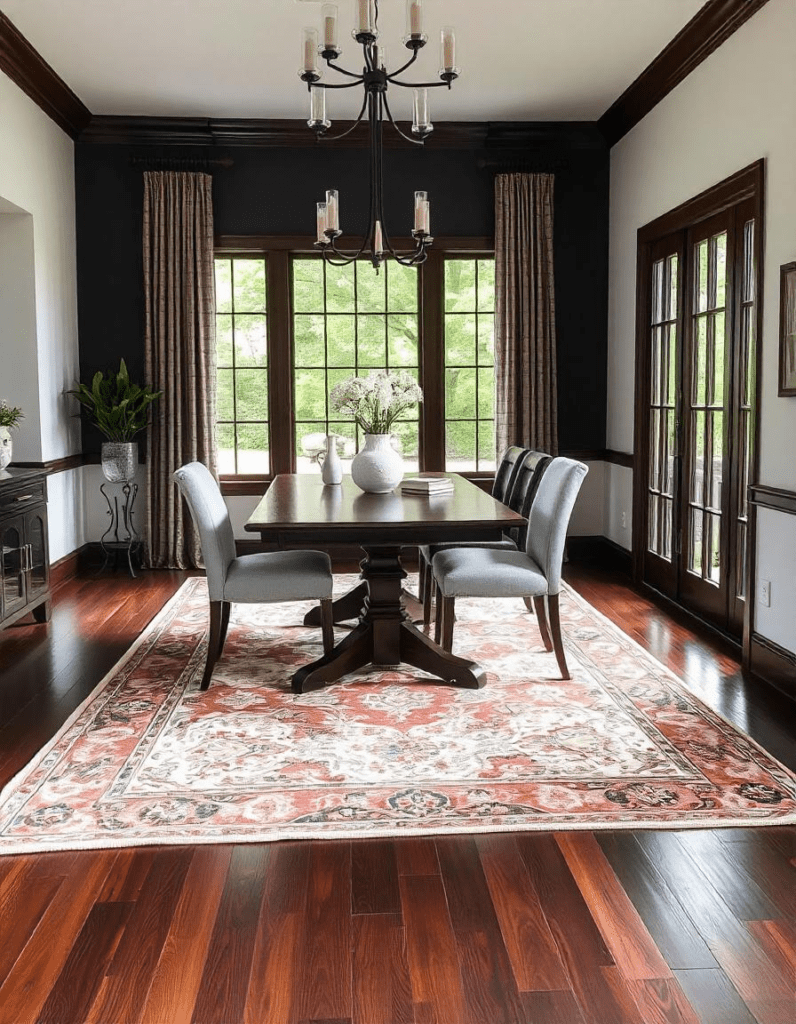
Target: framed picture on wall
787	329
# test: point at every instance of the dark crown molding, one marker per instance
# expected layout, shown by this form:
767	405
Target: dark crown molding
34	76
712	25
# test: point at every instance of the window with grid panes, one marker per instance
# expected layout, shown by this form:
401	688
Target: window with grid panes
349	321
242	434
469	364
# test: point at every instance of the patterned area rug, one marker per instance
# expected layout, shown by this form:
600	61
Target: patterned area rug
149	758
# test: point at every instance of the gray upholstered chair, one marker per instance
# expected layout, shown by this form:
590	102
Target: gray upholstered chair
534	573
516	490
248	579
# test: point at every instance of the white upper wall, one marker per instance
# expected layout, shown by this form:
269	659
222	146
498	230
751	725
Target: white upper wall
735	108
37	177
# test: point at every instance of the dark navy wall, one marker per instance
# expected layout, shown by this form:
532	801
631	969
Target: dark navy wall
273	191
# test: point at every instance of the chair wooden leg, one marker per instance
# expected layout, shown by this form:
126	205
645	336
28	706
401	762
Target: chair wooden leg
529	604
213	642
438	619
541	615
327	625
421	575
427	593
555	627
445	613
226	607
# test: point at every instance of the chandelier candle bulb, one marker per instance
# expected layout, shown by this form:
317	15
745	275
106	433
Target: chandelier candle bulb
381	57
332	210
322	221
414	18
421	117
448	49
311	50
365	19
318	117
378	241
422	213
329	16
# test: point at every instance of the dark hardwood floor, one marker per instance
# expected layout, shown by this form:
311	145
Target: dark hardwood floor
532	928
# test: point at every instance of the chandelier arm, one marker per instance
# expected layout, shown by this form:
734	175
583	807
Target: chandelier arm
339	85
408	64
356	124
419	85
342	71
415	142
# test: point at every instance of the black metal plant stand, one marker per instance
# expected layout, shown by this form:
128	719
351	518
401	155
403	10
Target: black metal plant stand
121	535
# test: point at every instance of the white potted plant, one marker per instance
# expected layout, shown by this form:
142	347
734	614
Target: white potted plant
376	402
9	419
120	410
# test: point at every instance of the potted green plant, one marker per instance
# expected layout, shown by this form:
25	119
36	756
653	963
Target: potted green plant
9	418
120	410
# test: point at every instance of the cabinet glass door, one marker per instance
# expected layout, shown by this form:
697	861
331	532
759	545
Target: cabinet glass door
13	575
37	540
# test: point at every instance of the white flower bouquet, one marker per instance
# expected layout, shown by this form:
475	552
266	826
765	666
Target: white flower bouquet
376	401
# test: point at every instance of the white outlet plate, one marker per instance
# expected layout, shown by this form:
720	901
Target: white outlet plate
765	593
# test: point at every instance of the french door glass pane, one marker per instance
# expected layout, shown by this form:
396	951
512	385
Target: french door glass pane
663	360
706	417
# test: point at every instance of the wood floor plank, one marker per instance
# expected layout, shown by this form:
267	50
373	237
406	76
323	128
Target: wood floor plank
326	988
529	942
178	974
79	981
581	946
276	971
431	952
714	997
22	906
489	983
416	855
25	990
625	934
224	980
672	930
374	877
130	972
551	1008
127	876
745	899
662	1001
382	993
736	950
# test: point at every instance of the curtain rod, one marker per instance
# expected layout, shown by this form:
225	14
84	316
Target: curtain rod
176	163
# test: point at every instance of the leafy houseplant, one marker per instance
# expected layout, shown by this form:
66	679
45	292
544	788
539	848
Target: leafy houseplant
9	418
120	410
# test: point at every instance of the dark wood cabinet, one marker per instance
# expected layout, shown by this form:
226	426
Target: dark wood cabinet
25	556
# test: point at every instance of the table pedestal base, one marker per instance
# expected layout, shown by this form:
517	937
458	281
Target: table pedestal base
385	636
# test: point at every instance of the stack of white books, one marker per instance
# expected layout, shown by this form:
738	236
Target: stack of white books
427	485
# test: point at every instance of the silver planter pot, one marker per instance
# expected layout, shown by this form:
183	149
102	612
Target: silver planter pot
119	460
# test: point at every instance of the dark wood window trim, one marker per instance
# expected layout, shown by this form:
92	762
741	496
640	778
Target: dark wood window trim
278	251
746	184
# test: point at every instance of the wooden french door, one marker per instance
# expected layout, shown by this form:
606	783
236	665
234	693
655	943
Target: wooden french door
697	296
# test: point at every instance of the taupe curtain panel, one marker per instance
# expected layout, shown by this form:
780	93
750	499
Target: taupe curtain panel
180	353
526	409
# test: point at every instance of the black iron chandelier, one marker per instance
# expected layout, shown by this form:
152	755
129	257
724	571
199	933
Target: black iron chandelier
375	79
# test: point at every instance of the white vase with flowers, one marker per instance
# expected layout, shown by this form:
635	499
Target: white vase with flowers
375	402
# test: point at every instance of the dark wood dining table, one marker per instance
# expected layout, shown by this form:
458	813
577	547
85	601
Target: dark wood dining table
299	510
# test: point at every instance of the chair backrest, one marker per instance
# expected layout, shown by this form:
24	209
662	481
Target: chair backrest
506	472
523	491
549	517
526	482
211	517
